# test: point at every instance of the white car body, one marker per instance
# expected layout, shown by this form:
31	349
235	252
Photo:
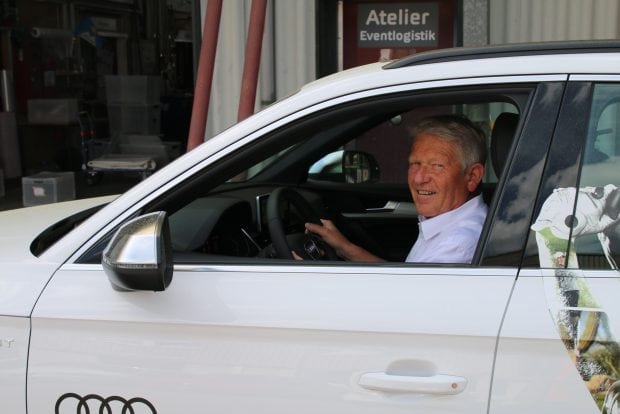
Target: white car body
289	337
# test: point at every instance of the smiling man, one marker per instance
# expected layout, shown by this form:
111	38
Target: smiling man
446	165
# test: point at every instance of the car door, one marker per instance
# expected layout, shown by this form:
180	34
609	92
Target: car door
277	336
559	349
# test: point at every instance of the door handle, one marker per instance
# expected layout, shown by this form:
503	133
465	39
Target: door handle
435	384
387	208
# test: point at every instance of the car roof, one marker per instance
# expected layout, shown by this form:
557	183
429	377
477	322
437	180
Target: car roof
553	58
508	50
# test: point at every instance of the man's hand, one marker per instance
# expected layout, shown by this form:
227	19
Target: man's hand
343	247
331	235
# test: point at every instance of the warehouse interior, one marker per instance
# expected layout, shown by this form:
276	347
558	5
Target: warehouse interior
88	82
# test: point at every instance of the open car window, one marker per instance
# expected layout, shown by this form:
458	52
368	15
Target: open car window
221	215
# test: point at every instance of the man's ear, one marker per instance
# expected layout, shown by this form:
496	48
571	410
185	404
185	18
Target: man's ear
474	175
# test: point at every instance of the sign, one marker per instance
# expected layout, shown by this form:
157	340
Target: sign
397	25
383	30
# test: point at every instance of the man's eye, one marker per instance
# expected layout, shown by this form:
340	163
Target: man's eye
437	166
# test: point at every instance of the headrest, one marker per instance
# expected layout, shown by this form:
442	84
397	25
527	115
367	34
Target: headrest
502	135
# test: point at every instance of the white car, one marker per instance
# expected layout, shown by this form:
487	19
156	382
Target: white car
181	295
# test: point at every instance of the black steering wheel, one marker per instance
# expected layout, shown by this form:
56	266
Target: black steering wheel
307	245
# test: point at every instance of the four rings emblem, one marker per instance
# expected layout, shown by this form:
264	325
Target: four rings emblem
96	404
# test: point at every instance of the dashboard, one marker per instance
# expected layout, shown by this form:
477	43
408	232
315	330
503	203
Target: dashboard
229	224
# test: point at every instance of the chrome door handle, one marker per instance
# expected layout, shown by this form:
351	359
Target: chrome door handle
435	384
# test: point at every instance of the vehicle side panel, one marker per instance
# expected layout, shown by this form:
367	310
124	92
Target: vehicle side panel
269	339
533	372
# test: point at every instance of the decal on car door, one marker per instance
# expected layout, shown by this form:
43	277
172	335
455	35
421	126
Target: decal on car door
566	215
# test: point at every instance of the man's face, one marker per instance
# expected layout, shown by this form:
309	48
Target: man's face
436	178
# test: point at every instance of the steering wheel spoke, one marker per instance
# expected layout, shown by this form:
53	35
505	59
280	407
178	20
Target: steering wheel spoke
308	246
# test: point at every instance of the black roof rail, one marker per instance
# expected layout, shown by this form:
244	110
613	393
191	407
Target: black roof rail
515	49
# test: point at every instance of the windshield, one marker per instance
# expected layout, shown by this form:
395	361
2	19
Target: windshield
56	231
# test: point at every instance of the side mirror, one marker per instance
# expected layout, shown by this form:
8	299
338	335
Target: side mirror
353	167
139	256
359	167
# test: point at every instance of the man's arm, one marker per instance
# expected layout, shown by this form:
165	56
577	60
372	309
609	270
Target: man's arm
343	247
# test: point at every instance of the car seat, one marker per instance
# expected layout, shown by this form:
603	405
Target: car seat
502	135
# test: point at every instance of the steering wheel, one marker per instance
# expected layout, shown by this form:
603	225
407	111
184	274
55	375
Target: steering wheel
309	246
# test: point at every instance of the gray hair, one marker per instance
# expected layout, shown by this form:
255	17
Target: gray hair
459	130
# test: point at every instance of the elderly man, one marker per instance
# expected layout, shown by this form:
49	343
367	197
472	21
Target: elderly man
446	164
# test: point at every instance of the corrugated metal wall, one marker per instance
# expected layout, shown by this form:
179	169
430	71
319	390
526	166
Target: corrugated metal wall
513	21
289	40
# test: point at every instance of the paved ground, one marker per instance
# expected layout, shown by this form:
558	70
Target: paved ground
110	184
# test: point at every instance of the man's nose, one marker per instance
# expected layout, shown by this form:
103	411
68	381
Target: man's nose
421	175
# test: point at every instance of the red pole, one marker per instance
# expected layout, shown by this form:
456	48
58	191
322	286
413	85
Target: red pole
252	59
204	77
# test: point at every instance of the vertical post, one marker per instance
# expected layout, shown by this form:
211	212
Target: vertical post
252	59
204	78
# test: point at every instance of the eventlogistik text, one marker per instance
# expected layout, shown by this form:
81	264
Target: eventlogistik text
394	35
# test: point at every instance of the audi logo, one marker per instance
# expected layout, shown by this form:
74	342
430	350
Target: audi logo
74	403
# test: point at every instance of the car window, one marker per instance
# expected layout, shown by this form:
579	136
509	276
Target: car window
220	214
576	226
230	221
541	155
595	233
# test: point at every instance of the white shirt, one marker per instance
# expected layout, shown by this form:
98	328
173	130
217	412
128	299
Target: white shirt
450	237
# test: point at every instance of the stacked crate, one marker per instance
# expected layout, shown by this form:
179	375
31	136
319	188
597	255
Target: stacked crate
133	103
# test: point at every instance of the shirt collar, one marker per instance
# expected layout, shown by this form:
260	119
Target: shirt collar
430	227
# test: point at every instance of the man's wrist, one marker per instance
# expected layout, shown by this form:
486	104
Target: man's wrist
356	253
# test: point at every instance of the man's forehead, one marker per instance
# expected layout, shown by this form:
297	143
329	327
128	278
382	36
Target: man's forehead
433	144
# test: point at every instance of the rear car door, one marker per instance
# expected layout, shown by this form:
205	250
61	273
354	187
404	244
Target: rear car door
275	337
559	349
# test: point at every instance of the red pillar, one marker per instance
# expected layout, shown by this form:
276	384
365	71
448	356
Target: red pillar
204	77
252	59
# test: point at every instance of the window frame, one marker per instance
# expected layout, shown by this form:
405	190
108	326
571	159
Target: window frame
511	217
